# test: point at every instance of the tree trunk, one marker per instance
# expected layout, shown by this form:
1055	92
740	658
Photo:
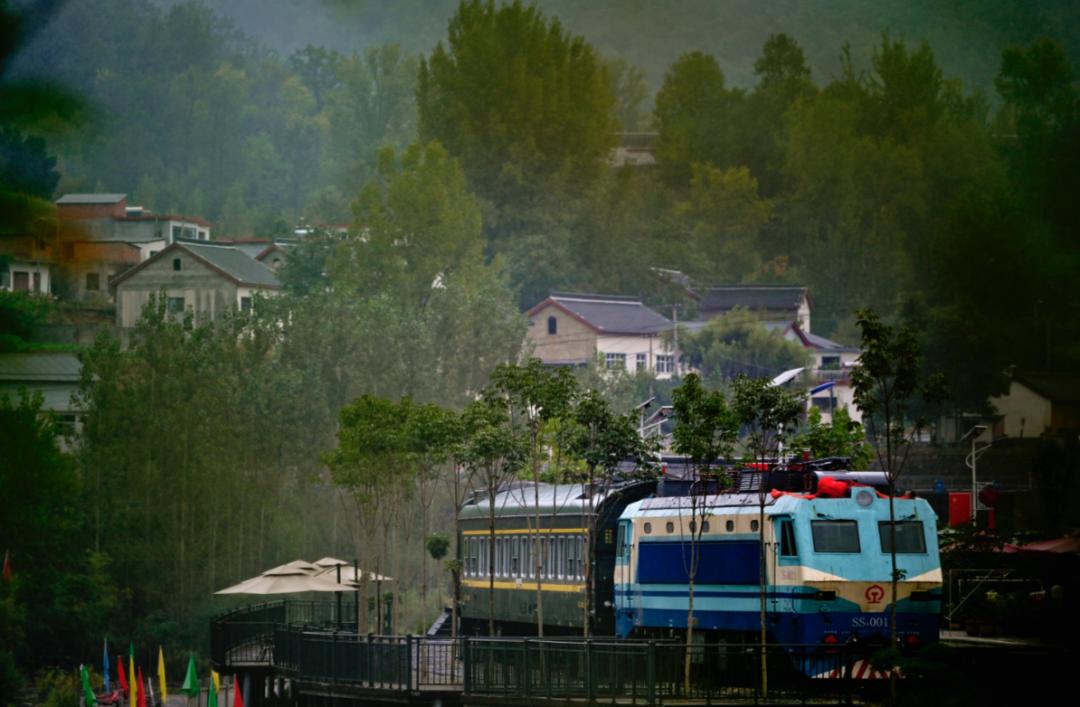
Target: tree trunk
763	577
491	560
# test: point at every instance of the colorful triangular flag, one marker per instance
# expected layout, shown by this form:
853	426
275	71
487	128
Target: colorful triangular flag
121	676
133	699
142	689
161	675
105	666
211	692
191	680
238	699
88	693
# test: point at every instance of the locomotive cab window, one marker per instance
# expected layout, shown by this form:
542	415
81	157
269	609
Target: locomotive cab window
835	536
787	539
910	539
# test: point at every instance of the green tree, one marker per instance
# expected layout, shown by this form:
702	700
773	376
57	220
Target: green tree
705	432
694	117
526	107
601	439
721	223
764	411
737	343
783	79
371	106
840	437
538	398
892	391
494	451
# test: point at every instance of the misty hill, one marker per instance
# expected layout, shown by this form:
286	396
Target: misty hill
966	35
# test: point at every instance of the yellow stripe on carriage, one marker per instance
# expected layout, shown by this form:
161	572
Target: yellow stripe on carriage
527	531
524	584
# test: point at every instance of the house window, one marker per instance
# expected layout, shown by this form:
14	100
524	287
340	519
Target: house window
642	362
553	325
822	402
176	264
615	360
665	363
176	305
93	281
65	423
37	282
20	281
830	363
175	232
245	304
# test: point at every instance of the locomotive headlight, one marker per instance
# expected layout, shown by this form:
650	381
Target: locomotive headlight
864	498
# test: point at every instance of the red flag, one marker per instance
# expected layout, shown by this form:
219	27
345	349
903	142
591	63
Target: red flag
7	565
238	699
120	673
142	689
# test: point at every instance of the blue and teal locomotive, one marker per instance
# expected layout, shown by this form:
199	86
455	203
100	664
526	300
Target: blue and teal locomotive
827	567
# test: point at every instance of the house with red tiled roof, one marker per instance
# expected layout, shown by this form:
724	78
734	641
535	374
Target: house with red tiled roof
569	329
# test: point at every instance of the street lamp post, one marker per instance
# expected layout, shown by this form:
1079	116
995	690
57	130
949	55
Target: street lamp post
974	433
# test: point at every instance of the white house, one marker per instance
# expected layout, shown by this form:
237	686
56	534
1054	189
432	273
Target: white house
572	329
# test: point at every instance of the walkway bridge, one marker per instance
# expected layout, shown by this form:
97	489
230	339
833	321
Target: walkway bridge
302	653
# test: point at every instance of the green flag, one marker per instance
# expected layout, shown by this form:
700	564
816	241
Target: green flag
211	694
191	681
88	694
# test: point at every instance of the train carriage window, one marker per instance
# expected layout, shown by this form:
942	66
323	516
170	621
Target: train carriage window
835	536
515	557
581	557
526	556
753	526
670	527
705	527
729	526
648	528
621	540
910	539
787	539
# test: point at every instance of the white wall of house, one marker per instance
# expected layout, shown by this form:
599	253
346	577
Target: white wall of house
1024	412
803	315
637	352
27	276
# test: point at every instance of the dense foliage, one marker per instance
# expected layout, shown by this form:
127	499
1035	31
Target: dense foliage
476	176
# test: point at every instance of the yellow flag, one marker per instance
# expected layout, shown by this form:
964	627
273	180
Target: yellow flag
161	674
133	681
217	680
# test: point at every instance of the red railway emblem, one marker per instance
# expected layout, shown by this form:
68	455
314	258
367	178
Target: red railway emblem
874	594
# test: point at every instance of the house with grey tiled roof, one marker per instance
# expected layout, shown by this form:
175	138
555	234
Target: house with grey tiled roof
52	374
1038	402
569	329
204	278
788	303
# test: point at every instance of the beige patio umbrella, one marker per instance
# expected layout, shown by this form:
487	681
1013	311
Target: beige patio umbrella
349	575
289	578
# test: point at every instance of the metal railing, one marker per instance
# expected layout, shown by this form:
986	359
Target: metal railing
649	672
632	671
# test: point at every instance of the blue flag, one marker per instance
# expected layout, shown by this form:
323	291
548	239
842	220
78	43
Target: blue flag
105	666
